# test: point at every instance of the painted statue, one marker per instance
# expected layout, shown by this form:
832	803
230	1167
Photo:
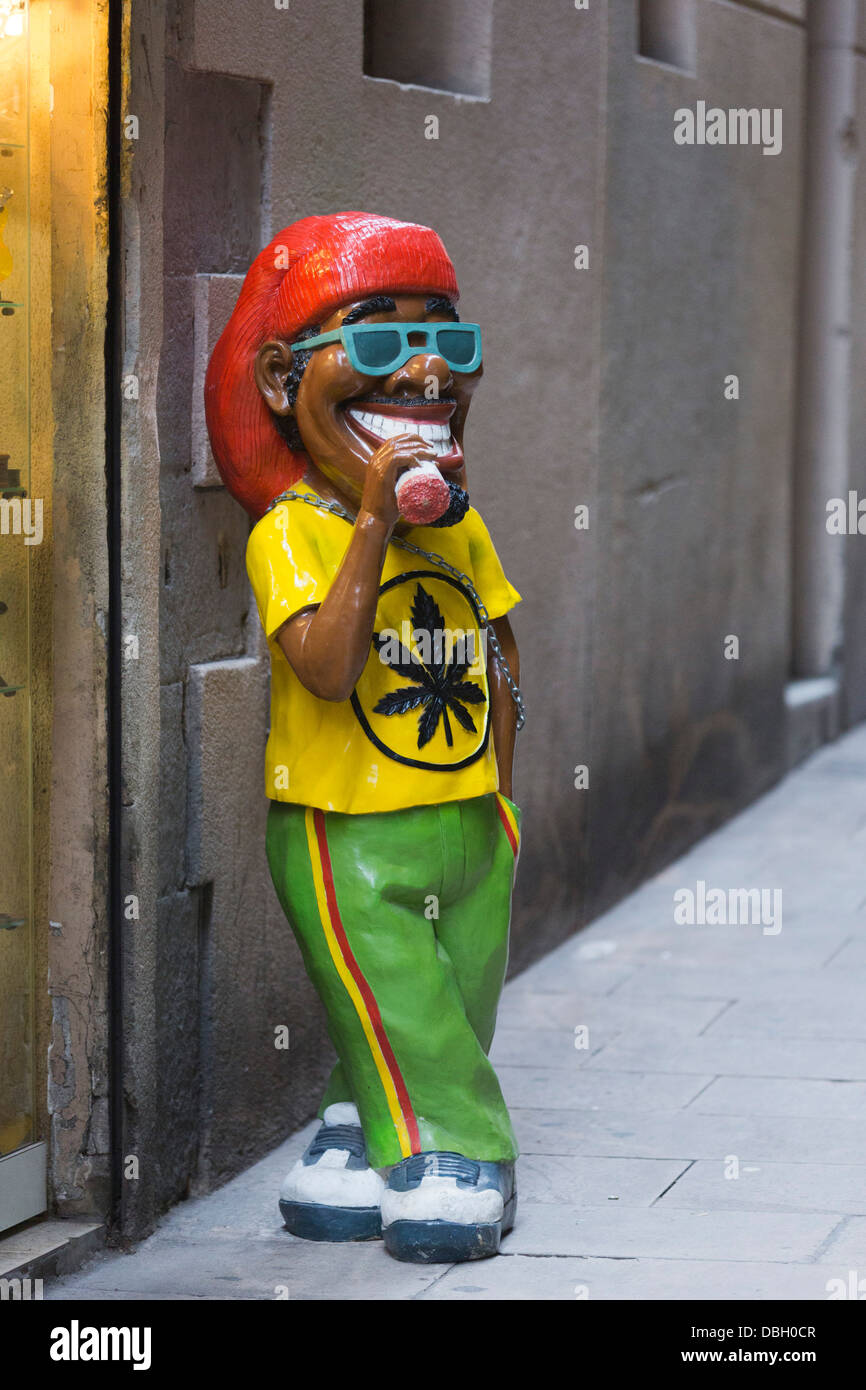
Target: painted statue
336	403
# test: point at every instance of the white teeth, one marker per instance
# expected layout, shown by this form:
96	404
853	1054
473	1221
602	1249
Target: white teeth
386	426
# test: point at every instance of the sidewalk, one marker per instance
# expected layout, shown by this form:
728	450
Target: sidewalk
709	1142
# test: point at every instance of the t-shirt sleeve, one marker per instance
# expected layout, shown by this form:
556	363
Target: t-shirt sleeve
284	566
498	595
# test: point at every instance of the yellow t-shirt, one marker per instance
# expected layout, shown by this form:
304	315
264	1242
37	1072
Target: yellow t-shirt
416	729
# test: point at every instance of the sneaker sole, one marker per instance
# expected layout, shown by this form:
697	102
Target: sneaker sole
312	1221
441	1242
447	1242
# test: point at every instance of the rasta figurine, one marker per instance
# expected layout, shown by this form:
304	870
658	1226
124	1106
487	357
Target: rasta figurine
336	403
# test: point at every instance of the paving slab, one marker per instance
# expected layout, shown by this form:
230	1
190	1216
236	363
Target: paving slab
762	1056
689	977
739	1185
272	1267
691	1134
666	1233
610	1016
593	1182
755	1095
792	1018
598	976
556	1089
712	948
537	1047
528	1278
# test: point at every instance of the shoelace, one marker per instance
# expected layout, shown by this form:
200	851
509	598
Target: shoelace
441	1165
349	1137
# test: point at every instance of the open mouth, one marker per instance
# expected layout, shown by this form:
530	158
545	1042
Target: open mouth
431	422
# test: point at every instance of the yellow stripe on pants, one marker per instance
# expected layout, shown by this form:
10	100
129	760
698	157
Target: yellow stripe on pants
351	986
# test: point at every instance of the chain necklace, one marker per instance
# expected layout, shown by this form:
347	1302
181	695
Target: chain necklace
314	500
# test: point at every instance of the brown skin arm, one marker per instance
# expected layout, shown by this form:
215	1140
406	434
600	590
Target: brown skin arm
328	647
503	711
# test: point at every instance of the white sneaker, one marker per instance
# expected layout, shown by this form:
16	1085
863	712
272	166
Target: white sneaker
332	1193
443	1207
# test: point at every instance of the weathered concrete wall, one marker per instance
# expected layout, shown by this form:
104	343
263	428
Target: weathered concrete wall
700	247
140	328
73	932
401	44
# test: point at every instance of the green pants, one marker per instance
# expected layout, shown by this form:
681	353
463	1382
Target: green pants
402	919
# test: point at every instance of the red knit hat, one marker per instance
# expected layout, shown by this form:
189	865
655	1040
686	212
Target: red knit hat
307	271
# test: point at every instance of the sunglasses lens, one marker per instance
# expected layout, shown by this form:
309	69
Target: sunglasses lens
376	350
457	345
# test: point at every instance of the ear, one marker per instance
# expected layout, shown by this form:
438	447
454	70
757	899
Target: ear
272	366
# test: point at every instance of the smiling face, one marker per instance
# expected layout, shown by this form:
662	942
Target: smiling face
344	415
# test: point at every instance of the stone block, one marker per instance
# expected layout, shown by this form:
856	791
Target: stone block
525	1278
756	1095
556	1089
829	1187
692	1134
629	1232
215	298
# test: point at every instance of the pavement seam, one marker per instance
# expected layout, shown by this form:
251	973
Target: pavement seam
427	1287
707	1158
828	1239
833	954
608	993
728	1004
730	1076
699	1093
542	1255
667	1259
691	1163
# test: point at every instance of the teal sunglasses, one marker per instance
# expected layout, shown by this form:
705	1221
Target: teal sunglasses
377	349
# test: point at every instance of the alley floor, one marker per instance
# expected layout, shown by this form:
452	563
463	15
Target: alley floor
690	1099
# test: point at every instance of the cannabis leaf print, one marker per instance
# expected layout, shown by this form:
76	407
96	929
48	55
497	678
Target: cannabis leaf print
439	686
